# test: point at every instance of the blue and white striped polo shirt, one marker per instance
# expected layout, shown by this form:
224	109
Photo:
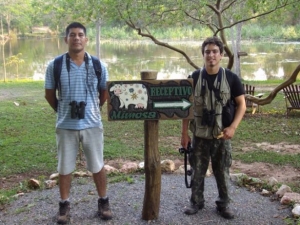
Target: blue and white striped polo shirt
79	85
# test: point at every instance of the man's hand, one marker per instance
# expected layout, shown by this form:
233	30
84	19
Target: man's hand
185	140
228	133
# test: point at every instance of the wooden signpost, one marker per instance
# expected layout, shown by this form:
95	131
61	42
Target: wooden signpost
150	100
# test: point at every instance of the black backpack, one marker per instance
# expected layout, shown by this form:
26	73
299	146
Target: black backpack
58	66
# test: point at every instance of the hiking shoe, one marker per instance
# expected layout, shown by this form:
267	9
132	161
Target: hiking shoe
193	209
225	212
64	212
104	211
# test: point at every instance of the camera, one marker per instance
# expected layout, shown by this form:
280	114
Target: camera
183	150
77	110
208	117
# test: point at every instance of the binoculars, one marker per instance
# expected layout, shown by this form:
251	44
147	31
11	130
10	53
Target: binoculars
77	110
208	117
188	150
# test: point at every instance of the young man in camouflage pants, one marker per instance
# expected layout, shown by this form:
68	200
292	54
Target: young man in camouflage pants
211	139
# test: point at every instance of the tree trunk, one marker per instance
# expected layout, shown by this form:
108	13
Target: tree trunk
3	52
98	29
8	24
237	59
236	36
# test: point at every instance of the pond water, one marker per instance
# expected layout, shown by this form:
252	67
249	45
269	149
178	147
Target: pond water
125	60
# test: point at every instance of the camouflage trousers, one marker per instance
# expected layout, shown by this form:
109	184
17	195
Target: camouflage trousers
219	151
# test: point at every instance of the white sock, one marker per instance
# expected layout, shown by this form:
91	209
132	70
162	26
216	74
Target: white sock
104	198
65	200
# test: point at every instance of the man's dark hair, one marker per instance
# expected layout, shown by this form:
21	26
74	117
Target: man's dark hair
215	41
75	25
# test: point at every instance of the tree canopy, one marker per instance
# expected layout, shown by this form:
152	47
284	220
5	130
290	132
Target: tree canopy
218	15
221	17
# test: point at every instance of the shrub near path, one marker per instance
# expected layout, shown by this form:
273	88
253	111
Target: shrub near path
265	145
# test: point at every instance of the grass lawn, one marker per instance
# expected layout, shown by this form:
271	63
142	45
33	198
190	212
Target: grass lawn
27	133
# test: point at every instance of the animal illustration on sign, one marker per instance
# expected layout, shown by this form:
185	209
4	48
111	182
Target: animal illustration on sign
135	94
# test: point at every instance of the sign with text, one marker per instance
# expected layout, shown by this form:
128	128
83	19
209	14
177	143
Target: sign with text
150	99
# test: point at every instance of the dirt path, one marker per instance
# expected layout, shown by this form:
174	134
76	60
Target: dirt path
126	200
284	174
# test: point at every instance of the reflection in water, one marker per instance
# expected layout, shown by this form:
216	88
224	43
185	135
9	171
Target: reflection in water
260	74
126	60
38	76
171	75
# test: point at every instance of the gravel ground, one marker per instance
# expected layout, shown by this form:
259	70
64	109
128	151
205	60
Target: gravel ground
40	207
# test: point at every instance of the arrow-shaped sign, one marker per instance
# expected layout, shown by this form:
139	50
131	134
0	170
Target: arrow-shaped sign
184	104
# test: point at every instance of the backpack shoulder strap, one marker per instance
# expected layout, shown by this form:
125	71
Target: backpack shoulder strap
229	77
217	90
58	67
97	68
57	71
211	86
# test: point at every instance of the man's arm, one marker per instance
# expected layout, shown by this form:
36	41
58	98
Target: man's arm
50	95
185	138
103	97
103	93
240	110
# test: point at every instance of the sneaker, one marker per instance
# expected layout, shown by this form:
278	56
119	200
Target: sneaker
193	209
64	212
225	212
104	211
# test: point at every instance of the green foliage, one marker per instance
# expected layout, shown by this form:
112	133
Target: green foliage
4	197
271	31
171	33
15	14
218	16
82	180
121	177
292	221
251	31
24	14
295	186
291	33
256	31
15	60
177	20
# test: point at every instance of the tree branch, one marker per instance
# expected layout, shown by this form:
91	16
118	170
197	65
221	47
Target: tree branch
272	95
259	15
228	6
210	25
166	45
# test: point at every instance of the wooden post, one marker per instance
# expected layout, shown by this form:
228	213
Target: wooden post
152	163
